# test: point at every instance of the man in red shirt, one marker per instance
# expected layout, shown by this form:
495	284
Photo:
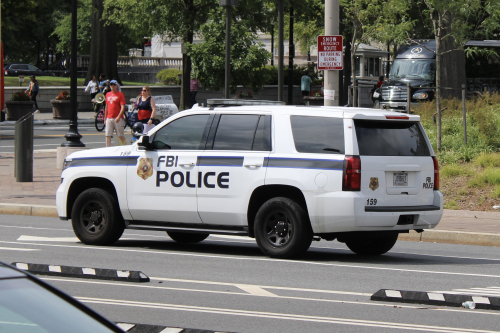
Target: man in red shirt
113	113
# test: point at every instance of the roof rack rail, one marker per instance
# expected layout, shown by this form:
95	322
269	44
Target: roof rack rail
221	102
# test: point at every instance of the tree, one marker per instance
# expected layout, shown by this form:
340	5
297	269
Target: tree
103	52
248	58
27	27
453	24
367	23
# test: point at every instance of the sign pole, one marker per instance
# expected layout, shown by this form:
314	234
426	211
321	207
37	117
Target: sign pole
331	78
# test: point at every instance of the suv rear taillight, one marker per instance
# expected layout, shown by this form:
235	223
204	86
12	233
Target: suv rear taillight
352	174
436	173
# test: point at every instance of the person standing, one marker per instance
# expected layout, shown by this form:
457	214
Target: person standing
33	90
103	84
194	86
305	85
113	113
92	87
147	109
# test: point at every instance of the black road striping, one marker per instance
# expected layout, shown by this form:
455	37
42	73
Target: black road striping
434	298
83	272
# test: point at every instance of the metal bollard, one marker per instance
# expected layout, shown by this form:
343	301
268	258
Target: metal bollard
23	143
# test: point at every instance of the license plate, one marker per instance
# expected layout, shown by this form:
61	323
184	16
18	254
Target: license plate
400	179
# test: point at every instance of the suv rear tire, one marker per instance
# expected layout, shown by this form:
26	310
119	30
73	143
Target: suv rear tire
96	217
187	237
372	246
282	229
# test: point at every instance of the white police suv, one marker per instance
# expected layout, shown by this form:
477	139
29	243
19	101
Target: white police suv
284	175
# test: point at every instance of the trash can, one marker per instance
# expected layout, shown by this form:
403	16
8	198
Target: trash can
23	147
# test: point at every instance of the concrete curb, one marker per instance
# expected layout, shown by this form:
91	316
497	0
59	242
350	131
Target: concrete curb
141	328
439	299
32	210
48	122
452	237
82	272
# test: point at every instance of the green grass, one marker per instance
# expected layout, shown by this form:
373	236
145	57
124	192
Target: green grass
453	170
496	191
488	160
54	81
450	205
488	176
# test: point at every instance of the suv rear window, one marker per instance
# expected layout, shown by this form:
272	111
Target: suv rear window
318	135
390	138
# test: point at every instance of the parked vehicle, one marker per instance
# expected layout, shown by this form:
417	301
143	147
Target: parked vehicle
24	69
284	175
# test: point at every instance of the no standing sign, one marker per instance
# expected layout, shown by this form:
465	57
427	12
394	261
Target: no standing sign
330	53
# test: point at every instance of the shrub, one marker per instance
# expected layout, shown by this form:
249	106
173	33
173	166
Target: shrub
451	170
488	160
496	191
169	76
20	96
63	96
488	176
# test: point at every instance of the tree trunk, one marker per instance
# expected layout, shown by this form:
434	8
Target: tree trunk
103	48
185	102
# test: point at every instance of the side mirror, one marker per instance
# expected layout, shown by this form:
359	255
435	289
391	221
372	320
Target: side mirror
144	142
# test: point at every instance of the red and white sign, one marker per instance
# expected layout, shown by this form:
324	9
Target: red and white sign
330	53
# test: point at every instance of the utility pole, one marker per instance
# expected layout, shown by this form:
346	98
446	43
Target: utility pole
291	54
281	77
332	28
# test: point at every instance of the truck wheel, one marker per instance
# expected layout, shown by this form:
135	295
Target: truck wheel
372	247
187	237
282	229
96	218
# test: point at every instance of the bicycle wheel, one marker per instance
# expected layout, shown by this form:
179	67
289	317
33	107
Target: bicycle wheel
100	121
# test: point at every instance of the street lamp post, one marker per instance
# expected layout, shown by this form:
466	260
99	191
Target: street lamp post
73	137
228	4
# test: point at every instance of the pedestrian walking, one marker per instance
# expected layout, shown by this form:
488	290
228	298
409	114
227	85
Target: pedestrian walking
33	90
113	113
305	85
92	87
194	86
147	109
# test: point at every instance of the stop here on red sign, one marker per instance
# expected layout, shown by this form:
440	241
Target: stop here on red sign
330	55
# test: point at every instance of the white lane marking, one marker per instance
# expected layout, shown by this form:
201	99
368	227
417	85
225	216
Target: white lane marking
22	266
393	293
47	239
312	263
324	300
254	290
282	316
172	330
17	249
54	268
125	326
259	286
490	291
436	297
243	239
480	300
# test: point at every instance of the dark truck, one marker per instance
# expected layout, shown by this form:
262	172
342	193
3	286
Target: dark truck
416	64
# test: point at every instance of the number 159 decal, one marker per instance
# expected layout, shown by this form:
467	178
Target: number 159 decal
371	202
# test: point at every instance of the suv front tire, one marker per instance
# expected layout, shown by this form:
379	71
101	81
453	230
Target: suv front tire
282	229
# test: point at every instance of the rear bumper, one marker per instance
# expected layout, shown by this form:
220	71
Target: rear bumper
401	209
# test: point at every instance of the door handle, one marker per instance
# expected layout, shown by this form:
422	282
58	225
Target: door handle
187	165
252	166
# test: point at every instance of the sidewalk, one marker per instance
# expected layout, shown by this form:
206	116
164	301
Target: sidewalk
45	118
38	199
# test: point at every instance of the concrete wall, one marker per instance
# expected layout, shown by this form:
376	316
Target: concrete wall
48	93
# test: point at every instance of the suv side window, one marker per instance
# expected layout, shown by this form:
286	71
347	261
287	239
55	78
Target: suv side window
32	68
235	132
318	135
186	133
262	140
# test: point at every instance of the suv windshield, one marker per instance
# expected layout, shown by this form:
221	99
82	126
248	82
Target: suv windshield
390	138
412	68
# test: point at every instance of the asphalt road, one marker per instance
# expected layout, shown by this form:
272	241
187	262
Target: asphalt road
226	284
51	137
